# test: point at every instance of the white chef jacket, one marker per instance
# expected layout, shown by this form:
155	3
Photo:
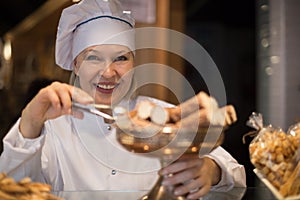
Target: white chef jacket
83	154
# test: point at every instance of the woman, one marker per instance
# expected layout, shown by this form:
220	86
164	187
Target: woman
53	143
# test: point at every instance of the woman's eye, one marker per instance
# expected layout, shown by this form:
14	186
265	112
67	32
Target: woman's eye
120	58
92	57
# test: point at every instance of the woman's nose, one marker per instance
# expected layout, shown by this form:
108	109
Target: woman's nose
109	71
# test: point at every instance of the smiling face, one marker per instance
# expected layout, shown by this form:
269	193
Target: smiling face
105	72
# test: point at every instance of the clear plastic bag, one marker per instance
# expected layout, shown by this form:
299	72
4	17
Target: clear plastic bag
275	154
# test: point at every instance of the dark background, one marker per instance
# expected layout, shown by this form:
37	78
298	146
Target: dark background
14	11
226	30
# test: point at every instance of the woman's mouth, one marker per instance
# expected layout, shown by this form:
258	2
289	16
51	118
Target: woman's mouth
106	88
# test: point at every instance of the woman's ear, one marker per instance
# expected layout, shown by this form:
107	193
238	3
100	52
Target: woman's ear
75	67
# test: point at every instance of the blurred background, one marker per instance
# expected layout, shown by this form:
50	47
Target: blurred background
254	44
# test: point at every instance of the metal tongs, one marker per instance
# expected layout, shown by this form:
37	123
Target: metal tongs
93	108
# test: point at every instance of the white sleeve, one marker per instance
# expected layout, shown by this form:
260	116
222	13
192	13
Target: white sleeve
21	157
233	174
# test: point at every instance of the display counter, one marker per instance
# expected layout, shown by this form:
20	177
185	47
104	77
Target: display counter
249	193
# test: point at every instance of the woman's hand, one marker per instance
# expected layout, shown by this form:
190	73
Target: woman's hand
51	102
193	175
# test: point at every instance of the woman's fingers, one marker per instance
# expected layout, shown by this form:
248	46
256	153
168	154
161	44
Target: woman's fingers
195	188
183	170
232	113
180	165
183	176
65	94
51	102
200	192
81	96
56	100
192	176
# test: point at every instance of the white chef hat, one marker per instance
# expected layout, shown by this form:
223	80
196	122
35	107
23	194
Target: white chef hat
89	23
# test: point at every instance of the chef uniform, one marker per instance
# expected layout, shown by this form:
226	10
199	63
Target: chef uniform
83	154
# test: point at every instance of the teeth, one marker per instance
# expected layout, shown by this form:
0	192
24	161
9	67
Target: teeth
107	87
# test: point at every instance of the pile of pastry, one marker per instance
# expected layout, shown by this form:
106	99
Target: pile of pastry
276	155
200	110
24	189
